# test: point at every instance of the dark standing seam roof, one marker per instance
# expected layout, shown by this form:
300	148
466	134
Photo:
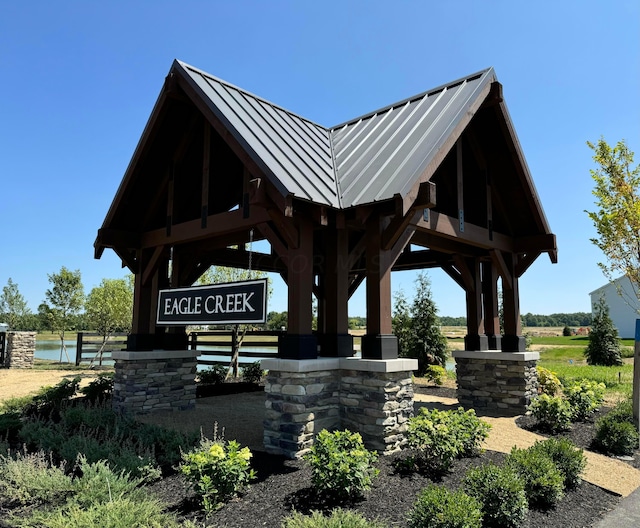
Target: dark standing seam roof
366	160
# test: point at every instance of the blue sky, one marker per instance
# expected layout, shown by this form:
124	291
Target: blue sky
79	80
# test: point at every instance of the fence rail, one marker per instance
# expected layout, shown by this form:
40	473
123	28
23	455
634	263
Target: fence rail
216	344
88	347
3	347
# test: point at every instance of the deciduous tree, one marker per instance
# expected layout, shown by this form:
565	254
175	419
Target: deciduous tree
65	298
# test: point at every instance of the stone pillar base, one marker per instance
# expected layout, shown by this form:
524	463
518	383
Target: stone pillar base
371	397
156	380
502	383
20	347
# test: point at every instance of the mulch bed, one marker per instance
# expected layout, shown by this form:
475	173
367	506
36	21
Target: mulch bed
285	485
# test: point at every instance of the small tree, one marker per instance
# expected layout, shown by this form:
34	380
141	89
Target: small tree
109	309
13	307
401	322
420	336
604	345
65	299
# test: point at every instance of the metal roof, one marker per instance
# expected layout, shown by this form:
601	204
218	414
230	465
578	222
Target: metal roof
369	159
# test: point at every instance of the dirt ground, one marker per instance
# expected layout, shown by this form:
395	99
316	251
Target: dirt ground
22	382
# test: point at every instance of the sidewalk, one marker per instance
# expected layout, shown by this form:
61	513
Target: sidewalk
626	514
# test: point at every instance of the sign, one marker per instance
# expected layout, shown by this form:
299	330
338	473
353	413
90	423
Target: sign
231	302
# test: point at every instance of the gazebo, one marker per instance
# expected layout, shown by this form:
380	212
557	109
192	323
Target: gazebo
436	180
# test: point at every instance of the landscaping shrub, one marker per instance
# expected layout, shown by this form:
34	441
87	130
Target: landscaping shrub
252	373
99	389
543	481
584	397
435	373
32	478
213	375
440	437
437	507
340	464
616	432
553	413
501	492
548	382
604	345
217	470
339	518
50	399
567	457
10	425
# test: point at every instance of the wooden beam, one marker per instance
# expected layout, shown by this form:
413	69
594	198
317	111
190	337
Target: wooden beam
206	174
151	266
170	184
501	267
217	225
460	184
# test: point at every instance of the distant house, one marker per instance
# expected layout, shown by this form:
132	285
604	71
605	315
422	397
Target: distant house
623	303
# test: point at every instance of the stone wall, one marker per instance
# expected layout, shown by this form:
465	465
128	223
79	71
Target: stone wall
159	380
502	382
20	347
371	397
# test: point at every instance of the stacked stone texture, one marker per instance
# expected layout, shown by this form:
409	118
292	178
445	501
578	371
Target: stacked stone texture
299	405
20	347
504	386
151	385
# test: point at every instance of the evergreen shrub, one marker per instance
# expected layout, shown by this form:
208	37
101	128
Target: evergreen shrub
543	481
438	507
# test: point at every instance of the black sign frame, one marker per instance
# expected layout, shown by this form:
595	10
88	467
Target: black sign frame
214	304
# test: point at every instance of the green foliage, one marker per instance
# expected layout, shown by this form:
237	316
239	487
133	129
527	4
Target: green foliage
50	399
10	424
435	373
553	413
32	478
99	389
617	217
616	432
339	518
213	375
584	397
543	481
252	373
277	320
340	464
217	470
109	307
548	382
501	492
14	309
417	329
604	345
568	458
439	437
566	331
437	507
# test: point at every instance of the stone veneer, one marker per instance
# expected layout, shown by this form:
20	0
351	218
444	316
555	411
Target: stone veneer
371	397
20	347
157	380
502	382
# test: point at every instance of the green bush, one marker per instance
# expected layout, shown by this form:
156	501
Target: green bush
340	464
32	478
543	481
584	397
440	437
50	399
437	507
10	425
567	457
252	373
616	432
501	492
548	382
213	375
339	518
435	373
217	470
566	331
99	389
553	413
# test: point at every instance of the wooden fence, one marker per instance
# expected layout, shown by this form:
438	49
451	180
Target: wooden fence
213	346
3	347
88	347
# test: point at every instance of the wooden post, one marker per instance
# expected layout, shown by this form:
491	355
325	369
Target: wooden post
636	377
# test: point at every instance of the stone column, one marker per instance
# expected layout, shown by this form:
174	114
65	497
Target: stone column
20	347
157	380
